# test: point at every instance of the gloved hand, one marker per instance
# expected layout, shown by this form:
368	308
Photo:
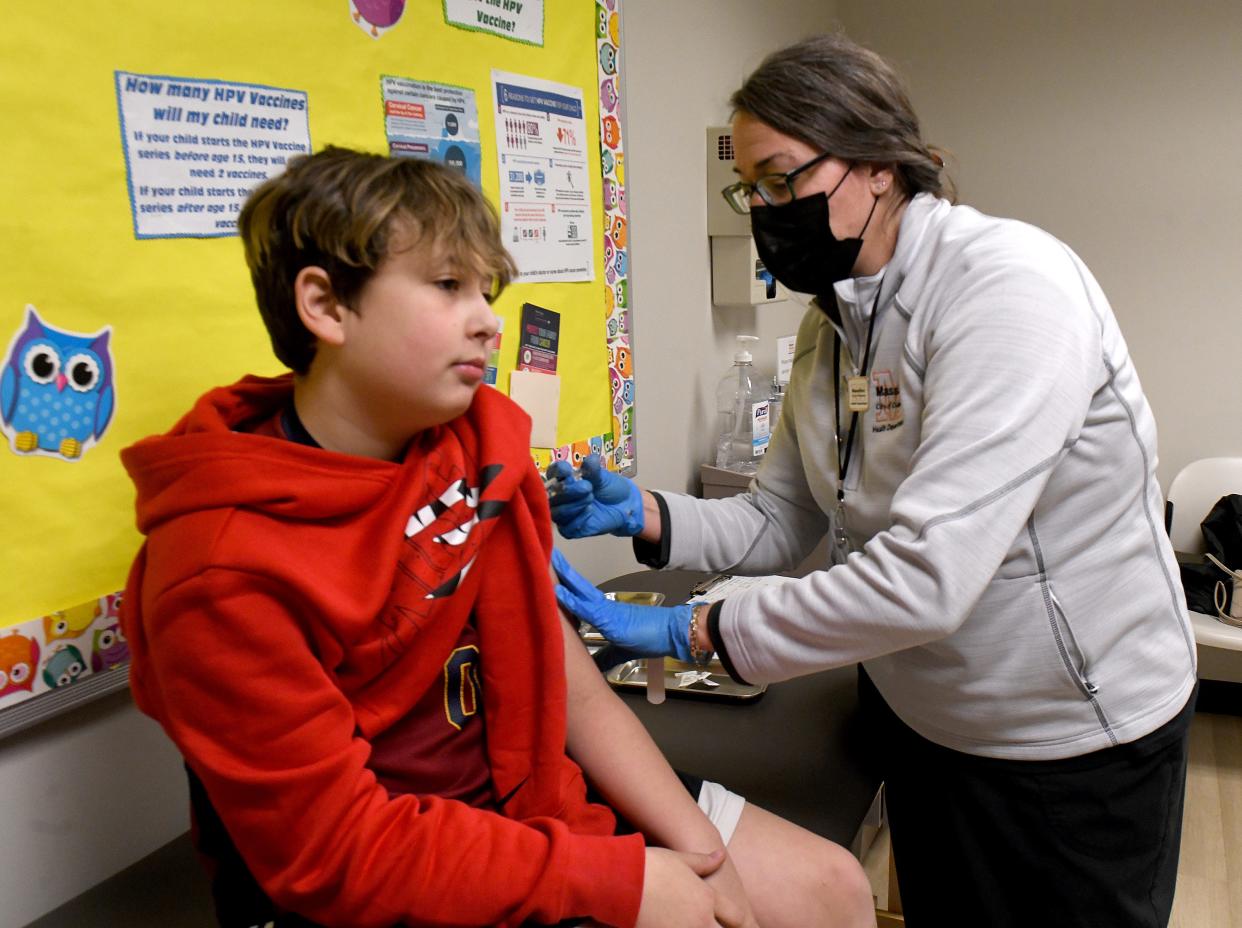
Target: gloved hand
598	503
649	631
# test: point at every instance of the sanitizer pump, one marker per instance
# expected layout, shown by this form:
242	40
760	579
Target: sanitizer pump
742	405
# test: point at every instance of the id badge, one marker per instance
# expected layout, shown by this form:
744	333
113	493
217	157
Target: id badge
857	394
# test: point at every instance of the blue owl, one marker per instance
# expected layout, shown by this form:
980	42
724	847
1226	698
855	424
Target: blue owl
63	667
56	389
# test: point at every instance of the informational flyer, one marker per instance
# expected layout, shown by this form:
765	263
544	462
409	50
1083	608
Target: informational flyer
545	184
433	121
520	20
195	148
541	333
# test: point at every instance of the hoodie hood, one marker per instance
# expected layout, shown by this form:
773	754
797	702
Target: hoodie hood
204	462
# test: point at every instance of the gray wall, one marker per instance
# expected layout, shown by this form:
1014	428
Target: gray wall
1116	126
682	61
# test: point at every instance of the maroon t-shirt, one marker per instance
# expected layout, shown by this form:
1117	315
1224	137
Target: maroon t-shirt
438	748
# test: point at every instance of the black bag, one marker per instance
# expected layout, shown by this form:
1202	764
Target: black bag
1222	536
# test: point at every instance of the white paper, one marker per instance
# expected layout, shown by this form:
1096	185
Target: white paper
194	149
520	20
785	357
540	395
730	586
545	180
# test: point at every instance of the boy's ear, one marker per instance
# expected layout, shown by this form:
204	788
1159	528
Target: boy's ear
318	307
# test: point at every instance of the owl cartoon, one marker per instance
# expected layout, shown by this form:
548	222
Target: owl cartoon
578	452
623	289
608	95
611	131
109	648
601	22
624	360
109	606
610	193
19	656
606	160
561	453
597	444
56	389
618	232
69	623
607	59
375	17
63	667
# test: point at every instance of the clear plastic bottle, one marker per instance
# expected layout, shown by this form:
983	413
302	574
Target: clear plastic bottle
742	405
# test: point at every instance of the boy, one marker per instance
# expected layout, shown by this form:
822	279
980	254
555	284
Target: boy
343	614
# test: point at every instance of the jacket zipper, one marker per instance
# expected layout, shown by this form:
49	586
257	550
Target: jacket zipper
1077	668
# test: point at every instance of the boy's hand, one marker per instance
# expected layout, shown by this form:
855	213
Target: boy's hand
649	631
597	503
728	885
675	895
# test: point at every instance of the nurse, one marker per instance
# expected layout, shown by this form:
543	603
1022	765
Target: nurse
965	423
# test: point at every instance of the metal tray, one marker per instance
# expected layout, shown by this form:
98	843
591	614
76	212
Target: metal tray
633	674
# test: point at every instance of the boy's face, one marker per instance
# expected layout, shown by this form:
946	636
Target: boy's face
415	349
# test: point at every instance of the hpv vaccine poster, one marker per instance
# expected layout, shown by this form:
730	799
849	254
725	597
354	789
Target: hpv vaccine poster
519	20
194	149
433	121
545	180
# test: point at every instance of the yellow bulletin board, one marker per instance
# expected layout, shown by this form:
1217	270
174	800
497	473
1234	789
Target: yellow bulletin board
149	301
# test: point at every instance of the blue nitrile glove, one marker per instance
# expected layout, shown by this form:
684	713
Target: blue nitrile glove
597	503
650	631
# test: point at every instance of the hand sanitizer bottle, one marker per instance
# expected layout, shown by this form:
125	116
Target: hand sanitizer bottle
742	405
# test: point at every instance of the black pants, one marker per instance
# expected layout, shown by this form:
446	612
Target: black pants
1084	841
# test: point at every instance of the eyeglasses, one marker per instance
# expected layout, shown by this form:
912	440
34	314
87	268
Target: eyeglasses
773	189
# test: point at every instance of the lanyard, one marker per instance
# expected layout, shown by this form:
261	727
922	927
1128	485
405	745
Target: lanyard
843	461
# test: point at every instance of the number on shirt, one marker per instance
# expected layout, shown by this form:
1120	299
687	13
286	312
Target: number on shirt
461	685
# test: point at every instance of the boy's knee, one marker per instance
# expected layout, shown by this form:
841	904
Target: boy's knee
845	888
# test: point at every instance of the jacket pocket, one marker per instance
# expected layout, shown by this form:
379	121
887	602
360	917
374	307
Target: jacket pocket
1071	652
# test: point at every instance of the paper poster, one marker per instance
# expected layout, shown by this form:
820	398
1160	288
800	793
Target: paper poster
194	149
545	182
433	121
519	20
785	357
541	333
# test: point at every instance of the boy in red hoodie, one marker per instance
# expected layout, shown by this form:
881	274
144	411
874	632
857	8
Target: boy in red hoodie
344	618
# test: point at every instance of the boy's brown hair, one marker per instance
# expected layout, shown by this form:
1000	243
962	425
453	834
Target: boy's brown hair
337	210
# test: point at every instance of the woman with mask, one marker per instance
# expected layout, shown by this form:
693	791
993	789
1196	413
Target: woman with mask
965	423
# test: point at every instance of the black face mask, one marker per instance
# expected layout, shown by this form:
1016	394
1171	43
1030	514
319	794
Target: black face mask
795	242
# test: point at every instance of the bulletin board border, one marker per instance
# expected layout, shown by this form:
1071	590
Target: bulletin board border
617	447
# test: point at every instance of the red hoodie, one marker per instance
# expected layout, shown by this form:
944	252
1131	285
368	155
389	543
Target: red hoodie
290	603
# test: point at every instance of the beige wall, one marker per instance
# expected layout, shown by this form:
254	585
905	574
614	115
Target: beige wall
1116	126
683	58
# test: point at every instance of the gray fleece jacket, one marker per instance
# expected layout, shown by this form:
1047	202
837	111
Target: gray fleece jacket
1013	593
